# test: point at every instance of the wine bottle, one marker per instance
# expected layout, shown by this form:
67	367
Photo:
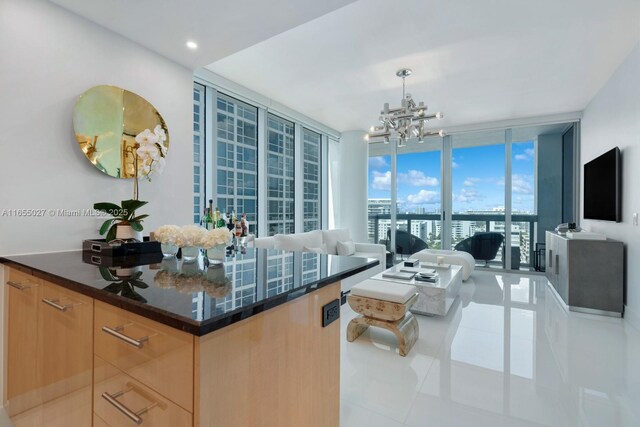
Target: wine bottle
218	219
208	221
245	225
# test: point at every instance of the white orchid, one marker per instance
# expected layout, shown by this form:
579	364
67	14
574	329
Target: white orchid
146	137
148	151
151	152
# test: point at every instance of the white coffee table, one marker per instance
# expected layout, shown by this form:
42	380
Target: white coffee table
433	298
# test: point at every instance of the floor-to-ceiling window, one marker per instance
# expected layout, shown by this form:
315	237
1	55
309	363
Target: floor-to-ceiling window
198	150
312	165
379	206
490	193
236	158
248	159
280	176
478	195
419	195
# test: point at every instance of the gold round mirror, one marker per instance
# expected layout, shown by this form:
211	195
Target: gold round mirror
121	133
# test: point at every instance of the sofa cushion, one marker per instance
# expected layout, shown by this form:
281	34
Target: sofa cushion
346	248
319	250
385	291
332	237
373	255
296	242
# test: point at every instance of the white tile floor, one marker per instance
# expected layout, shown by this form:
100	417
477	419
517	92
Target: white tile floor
507	354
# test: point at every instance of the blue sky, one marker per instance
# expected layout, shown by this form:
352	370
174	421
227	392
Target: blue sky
478	178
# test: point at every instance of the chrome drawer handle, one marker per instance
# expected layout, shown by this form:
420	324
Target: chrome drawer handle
20	286
134	416
55	304
117	332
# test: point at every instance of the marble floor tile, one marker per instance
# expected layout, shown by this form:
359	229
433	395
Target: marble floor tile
508	353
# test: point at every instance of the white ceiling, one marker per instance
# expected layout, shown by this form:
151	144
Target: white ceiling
220	27
477	61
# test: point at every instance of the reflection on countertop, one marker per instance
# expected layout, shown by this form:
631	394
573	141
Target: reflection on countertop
195	297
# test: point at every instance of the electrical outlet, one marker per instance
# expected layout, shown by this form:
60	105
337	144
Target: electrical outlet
635	219
330	312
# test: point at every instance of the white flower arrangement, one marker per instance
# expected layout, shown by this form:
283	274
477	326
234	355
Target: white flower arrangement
167	234
190	235
216	237
151	152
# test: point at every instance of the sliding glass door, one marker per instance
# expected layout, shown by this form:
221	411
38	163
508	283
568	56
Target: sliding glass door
493	193
478	196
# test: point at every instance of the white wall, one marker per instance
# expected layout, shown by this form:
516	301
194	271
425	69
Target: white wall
613	119
352	180
48	57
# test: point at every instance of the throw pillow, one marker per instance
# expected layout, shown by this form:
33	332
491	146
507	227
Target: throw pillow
332	237
346	248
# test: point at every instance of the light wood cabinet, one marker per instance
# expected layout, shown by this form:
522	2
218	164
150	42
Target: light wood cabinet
49	352
21	344
74	361
123	401
65	345
155	354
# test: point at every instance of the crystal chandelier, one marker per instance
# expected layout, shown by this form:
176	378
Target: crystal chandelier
403	123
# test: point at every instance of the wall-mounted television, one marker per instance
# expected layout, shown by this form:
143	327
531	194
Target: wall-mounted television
602	185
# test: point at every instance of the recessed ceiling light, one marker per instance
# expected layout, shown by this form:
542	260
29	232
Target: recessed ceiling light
192	45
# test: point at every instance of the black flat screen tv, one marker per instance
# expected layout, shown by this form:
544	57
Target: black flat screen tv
602	187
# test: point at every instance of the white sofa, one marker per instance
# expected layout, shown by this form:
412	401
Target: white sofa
327	240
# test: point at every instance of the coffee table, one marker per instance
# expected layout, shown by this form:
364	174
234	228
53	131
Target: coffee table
433	298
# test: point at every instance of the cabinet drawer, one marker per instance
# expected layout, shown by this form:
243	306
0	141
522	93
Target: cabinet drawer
22	293
154	354
98	422
126	402
65	340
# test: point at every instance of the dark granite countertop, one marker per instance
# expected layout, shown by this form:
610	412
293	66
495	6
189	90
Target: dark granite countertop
190	296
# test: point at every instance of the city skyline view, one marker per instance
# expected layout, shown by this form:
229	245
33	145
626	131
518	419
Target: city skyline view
477	179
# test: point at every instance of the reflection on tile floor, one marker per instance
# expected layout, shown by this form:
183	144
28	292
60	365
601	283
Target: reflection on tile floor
507	354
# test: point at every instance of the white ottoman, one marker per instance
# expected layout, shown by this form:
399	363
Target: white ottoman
463	259
385	305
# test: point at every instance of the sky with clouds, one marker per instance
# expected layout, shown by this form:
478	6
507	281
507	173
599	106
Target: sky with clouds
478	178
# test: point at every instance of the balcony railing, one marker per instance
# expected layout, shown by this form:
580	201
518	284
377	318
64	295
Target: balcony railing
482	221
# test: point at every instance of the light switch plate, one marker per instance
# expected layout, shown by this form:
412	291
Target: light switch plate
635	219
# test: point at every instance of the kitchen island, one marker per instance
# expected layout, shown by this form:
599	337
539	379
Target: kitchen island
116	342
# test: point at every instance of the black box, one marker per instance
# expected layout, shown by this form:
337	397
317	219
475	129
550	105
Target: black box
101	247
122	261
412	263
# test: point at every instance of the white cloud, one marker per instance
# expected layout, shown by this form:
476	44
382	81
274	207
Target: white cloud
468	195
381	180
424	196
528	155
377	162
522	184
454	165
417	179
471	182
